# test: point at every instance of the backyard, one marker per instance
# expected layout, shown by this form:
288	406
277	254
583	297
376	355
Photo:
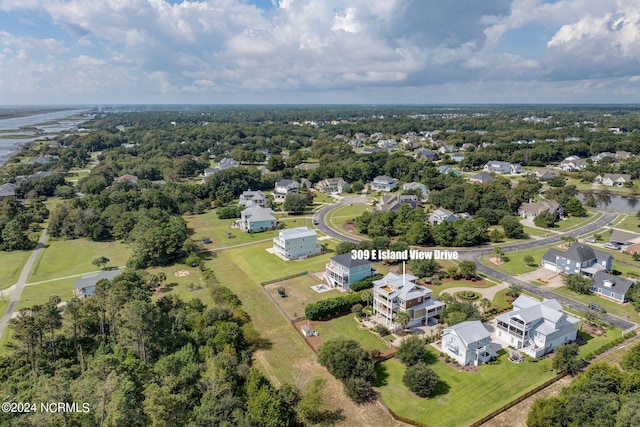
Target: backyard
299	294
347	327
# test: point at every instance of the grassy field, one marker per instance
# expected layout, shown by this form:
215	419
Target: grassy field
625	311
501	299
630	223
338	217
537	232
299	294
11	264
347	327
572	222
68	257
458	398
39	294
438	289
596	342
515	264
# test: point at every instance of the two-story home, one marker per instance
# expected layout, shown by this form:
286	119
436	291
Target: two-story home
533	209
545	174
578	258
296	243
573	164
256	219
85	286
502	168
536	327
424	155
343	270
467	343
393	202
442	215
446	169
283	188
383	183
332	186
610	286
483	178
252	198
418	188
395	293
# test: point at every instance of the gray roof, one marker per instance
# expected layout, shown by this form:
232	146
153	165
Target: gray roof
92	279
257	213
582	253
619	284
7	190
296	233
470	331
551	255
348	261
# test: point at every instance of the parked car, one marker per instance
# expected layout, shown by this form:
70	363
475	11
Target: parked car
315	222
595	307
590	240
611	246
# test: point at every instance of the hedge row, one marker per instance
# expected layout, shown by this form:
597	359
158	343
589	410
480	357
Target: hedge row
365	283
332	306
609	345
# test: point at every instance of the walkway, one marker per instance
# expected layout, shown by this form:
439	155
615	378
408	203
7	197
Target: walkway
19	286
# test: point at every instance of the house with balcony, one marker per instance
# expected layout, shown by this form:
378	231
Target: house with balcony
383	183
296	243
343	270
257	219
579	258
467	343
395	293
332	186
283	188
610	286
536	327
252	198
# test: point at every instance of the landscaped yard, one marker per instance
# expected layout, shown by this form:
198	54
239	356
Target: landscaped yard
459	400
70	257
347	327
514	261
620	310
438	289
11	264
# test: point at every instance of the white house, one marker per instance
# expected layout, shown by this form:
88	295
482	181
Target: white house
395	293
421	189
467	343
502	168
384	183
332	185
296	243
578	258
441	215
252	198
573	164
283	188
613	179
533	209
536	328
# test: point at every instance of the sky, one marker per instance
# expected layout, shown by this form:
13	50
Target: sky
319	51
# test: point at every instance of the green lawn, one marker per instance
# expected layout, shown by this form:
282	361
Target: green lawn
11	264
39	294
594	343
515	264
620	310
458	400
69	257
537	232
299	294
347	327
501	299
571	222
630	223
242	269
438	289
319	197
338	217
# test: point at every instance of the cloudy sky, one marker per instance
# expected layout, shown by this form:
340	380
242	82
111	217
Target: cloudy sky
319	51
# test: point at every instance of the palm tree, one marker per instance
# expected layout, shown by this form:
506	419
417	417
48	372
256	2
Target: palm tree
498	253
485	303
402	319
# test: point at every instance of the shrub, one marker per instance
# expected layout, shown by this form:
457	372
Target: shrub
381	330
411	351
359	390
331	306
365	283
420	379
468	295
229	212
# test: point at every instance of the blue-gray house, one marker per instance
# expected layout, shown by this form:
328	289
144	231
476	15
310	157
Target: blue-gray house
256	218
610	286
578	258
85	286
342	271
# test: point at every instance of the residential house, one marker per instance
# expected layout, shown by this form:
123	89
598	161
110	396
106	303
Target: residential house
343	270
252	198
573	164
440	215
533	209
308	166
126	178
283	188
332	186
393	202
296	243
623	155
632	249
421	189
256	219
578	258
467	146
223	164
457	157
7	190
483	178
85	286
446	169
395	293
467	343
603	155
502	168
383	183
613	179
371	150
43	160
536	327
424	154
545	174
610	286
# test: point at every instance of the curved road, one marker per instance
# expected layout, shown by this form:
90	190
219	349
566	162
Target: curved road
476	253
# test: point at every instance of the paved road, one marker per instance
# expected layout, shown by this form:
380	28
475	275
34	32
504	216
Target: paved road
22	280
475	254
320	221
